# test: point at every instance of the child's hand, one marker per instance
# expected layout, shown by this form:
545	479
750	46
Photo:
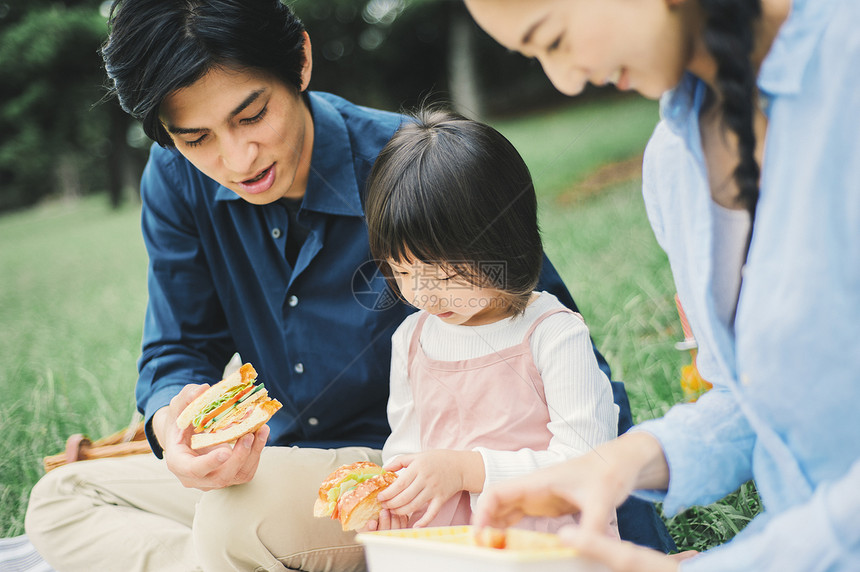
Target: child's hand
429	479
387	521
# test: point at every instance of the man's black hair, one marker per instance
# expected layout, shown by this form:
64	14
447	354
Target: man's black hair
159	46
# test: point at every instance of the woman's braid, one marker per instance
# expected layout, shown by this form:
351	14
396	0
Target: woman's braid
729	36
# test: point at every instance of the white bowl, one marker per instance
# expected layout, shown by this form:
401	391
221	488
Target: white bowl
452	549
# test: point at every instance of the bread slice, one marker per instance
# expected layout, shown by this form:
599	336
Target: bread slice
359	505
349	494
326	503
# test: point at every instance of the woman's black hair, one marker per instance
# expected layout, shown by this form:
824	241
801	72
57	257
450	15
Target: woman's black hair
159	46
730	37
454	192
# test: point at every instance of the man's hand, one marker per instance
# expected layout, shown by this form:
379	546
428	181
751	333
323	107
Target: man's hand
210	468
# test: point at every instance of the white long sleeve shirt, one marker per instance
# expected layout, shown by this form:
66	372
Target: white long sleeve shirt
578	393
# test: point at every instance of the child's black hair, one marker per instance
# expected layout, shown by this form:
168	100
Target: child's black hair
454	192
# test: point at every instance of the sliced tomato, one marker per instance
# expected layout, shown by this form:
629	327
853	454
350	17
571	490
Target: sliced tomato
223	407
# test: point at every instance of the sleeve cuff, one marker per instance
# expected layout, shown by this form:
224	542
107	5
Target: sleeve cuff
159	399
707	449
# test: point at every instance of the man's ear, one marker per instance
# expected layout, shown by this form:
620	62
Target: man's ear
309	62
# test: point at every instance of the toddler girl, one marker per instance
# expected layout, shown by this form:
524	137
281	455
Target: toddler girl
489	380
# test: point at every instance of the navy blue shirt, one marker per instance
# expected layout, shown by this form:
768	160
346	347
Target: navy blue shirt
318	333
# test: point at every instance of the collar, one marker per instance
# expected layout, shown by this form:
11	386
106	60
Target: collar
679	107
332	188
781	71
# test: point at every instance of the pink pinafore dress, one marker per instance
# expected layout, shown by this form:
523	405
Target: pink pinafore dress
495	401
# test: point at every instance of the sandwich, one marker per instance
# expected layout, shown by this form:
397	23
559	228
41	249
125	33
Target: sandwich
349	494
228	410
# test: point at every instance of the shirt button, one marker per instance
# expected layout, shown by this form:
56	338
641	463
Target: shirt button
276	233
745	379
299	368
293	301
313	421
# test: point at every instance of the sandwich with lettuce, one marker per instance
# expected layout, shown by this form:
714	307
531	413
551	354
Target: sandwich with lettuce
230	409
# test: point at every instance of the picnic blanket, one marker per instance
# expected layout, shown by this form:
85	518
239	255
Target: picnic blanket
17	554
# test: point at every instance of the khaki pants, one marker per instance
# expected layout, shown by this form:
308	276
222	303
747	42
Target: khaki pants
131	513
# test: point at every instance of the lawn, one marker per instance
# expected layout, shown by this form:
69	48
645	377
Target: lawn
601	242
72	298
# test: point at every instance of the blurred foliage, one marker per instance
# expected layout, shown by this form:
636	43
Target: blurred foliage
51	79
61	137
395	54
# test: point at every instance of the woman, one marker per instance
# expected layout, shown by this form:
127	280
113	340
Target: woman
764	244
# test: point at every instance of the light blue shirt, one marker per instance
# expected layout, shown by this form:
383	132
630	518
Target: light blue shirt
785	409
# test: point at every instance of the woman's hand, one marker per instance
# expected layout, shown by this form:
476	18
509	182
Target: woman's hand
429	479
210	468
619	555
592	485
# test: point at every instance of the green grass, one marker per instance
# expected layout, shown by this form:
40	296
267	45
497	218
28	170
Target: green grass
603	247
72	297
607	255
73	293
562	146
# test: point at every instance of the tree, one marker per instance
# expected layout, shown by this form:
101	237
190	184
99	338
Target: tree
395	54
60	136
56	136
